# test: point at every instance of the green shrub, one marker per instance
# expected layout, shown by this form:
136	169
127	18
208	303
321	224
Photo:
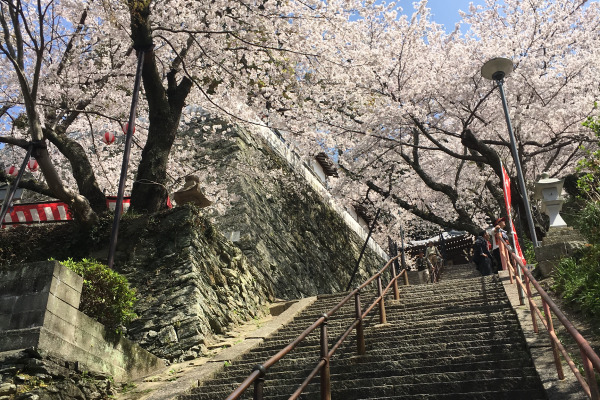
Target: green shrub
106	295
578	280
588	221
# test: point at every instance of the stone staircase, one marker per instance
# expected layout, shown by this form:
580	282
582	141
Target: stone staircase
457	339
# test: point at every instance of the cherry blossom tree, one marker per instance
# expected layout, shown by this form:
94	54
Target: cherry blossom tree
396	101
409	116
69	77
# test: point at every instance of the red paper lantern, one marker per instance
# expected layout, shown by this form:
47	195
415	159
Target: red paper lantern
32	165
108	137
126	128
12	171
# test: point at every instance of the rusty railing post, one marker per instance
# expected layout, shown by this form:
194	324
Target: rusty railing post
382	317
557	362
259	382
325	374
406	283
395	278
590	375
519	287
531	306
360	332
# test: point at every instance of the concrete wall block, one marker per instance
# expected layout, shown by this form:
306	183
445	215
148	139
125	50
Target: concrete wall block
90	325
56	345
7	304
60	327
62	309
4	322
19	339
31	302
18	285
65	292
27	319
68	277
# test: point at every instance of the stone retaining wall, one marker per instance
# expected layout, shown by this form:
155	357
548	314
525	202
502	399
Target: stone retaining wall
39	309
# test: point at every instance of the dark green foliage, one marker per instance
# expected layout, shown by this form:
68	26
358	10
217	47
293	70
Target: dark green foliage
589	221
589	166
106	295
578	281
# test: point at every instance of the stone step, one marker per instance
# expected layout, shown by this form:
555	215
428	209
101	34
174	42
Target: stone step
390	367
412	304
525	394
397	387
439	342
409	357
385	337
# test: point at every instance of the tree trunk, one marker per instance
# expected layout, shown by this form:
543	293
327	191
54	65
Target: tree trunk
82	171
149	192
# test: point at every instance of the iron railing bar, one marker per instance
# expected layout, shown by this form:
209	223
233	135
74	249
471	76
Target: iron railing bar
352	293
563	351
243	386
294	343
371	307
309	378
254	375
587	353
378	273
570	363
579	339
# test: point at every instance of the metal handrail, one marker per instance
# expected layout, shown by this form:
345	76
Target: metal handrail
259	371
589	358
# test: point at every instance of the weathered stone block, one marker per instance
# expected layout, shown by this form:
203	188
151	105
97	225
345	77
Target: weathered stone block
62	309
31	302
68	277
6	305
66	293
19	339
61	327
27	319
558	243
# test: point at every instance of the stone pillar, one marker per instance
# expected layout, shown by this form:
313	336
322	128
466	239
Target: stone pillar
559	242
35	295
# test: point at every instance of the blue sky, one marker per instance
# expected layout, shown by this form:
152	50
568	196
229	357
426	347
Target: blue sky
444	11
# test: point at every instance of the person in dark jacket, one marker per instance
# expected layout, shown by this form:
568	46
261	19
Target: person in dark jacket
482	255
423	268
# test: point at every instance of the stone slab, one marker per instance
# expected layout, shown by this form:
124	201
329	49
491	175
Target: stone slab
65	276
26	319
19	339
65	292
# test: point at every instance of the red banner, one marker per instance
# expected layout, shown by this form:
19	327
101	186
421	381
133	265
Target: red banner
52	211
28	213
506	189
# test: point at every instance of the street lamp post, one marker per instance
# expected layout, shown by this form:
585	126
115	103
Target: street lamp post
496	69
